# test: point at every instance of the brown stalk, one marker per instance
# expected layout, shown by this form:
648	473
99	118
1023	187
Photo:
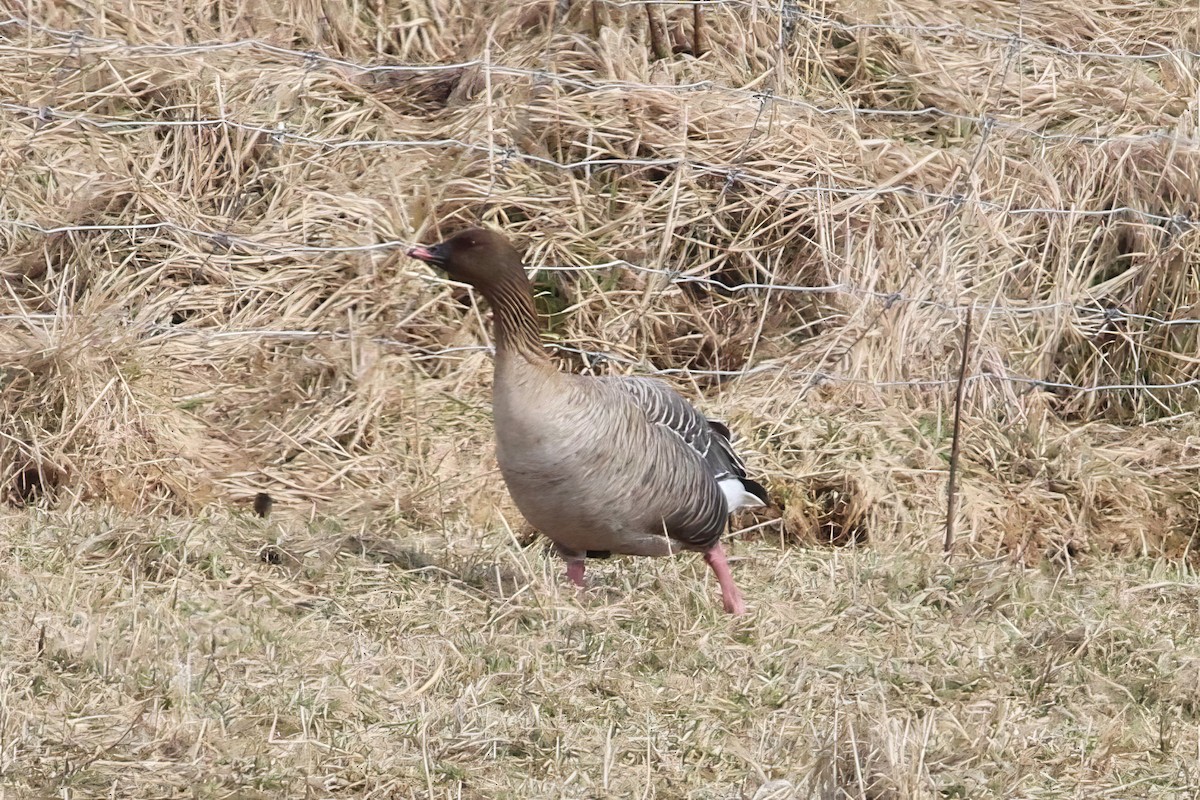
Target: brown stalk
960	391
659	45
599	17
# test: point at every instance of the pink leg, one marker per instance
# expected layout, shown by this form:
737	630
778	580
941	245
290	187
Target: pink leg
731	598
575	572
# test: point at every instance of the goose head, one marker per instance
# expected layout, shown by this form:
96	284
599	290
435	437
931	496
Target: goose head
477	256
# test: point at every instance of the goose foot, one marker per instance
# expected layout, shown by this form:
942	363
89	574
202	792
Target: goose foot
575	573
731	598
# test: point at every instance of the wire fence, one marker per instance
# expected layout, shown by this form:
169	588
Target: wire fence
1096	314
782	8
76	44
1097	311
596	358
731	173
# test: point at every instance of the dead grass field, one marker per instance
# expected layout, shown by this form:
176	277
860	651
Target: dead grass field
219	319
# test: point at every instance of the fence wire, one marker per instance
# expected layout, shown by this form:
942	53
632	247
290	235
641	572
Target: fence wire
790	11
1096	311
75	43
596	358
732	174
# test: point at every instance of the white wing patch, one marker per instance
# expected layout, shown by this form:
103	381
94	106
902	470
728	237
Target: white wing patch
736	495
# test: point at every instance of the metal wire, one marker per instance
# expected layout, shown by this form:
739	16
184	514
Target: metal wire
229	241
790	10
730	173
73	42
595	357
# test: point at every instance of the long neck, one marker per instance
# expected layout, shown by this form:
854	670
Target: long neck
516	318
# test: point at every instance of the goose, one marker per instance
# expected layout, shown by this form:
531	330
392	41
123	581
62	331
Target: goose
599	465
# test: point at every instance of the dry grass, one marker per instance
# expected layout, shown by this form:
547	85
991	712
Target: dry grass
386	632
172	659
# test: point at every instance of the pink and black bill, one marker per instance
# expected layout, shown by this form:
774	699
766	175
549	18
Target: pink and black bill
434	254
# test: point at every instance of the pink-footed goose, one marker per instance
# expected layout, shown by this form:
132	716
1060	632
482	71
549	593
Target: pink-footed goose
599	465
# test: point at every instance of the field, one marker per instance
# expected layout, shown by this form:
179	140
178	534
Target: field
848	230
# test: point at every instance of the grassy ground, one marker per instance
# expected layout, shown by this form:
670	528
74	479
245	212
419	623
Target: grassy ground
201	218
170	659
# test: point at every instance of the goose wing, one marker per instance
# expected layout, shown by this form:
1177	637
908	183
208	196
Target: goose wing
709	439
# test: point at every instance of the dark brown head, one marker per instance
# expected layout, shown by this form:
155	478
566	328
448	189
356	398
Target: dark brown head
476	256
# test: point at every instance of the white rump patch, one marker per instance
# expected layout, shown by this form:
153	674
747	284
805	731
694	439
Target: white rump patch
736	495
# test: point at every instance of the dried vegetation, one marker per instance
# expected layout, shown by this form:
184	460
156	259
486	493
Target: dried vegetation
197	310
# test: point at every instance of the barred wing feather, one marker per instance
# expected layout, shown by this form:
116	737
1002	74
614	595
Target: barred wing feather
709	438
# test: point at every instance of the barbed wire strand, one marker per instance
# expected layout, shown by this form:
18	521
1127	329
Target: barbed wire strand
731	173
1105	314
791	10
594	358
74	40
